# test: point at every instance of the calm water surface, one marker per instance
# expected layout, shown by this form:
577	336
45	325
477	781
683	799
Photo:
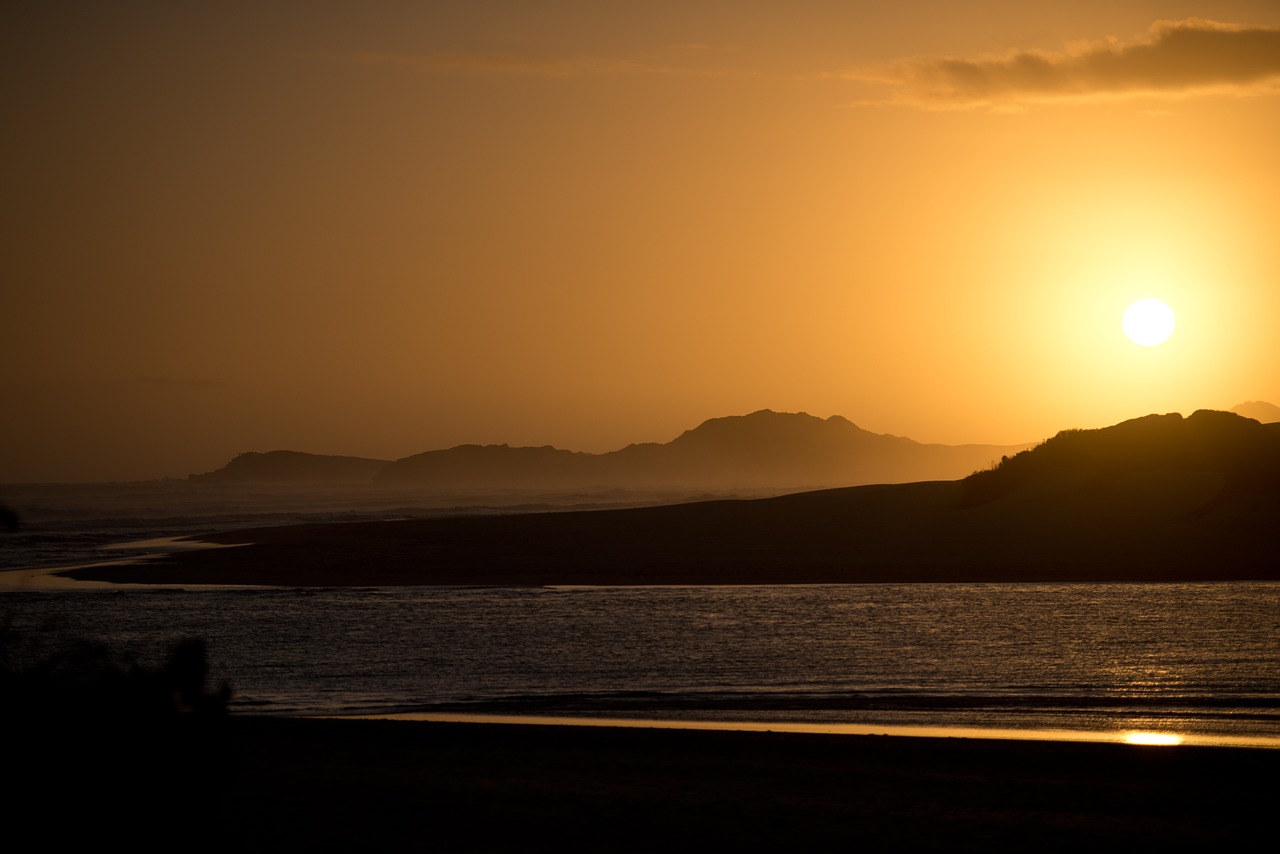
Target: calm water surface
1192	658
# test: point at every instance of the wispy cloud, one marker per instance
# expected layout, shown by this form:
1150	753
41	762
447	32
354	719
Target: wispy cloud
1172	59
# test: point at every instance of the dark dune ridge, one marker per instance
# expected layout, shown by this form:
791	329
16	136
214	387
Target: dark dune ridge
1160	498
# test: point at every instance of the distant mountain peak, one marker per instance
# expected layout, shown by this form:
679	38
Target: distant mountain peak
762	449
766	418
766	425
293	467
1258	410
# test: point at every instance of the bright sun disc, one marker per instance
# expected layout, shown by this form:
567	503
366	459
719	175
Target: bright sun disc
1148	322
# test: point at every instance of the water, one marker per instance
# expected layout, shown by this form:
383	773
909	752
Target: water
1198	658
1083	657
63	524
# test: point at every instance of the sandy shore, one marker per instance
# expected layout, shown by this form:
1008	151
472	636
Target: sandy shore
1144	529
499	787
292	784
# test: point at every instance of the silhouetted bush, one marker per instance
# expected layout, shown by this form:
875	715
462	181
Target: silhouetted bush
97	749
83	678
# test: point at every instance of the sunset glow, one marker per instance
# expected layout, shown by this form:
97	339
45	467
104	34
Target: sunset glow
753	424
325	229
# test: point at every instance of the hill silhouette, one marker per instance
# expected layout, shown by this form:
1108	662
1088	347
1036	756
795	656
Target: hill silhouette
293	467
1160	498
1245	453
762	449
1258	410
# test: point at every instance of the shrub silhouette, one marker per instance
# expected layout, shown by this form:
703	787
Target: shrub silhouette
9	520
83	678
145	752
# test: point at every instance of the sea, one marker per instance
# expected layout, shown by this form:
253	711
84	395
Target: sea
1186	661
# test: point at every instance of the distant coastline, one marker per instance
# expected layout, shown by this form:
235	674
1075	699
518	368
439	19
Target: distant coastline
905	533
1159	498
761	450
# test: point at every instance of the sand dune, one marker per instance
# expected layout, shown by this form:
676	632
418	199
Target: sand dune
1166	526
1159	498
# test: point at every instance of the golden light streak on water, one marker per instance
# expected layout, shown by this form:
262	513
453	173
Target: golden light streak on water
1112	736
1152	738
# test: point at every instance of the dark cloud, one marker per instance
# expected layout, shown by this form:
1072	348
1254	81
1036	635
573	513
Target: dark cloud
1173	59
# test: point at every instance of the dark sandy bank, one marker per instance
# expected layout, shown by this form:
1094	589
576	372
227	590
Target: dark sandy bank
1136	526
492	787
313	785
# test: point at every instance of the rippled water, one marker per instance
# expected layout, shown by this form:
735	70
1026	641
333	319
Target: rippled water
1197	658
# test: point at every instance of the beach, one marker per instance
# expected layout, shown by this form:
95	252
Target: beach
506	787
276	783
312	784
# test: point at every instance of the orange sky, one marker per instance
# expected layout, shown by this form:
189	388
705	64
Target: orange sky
382	228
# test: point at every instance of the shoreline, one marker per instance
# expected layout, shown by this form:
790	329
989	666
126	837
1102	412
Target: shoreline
270	784
148	572
567	788
906	533
1149	738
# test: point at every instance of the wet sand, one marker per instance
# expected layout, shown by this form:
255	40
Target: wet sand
392	785
278	784
1162	527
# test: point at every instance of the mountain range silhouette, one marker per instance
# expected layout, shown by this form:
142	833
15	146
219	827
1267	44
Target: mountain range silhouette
764	449
1158	498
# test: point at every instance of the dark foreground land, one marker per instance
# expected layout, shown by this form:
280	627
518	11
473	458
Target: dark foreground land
504	787
291	785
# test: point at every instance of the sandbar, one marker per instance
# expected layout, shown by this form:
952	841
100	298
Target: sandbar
921	532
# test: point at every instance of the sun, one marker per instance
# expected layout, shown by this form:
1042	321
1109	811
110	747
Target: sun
1148	322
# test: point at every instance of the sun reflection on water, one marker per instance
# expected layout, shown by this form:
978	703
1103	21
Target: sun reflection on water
1152	738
